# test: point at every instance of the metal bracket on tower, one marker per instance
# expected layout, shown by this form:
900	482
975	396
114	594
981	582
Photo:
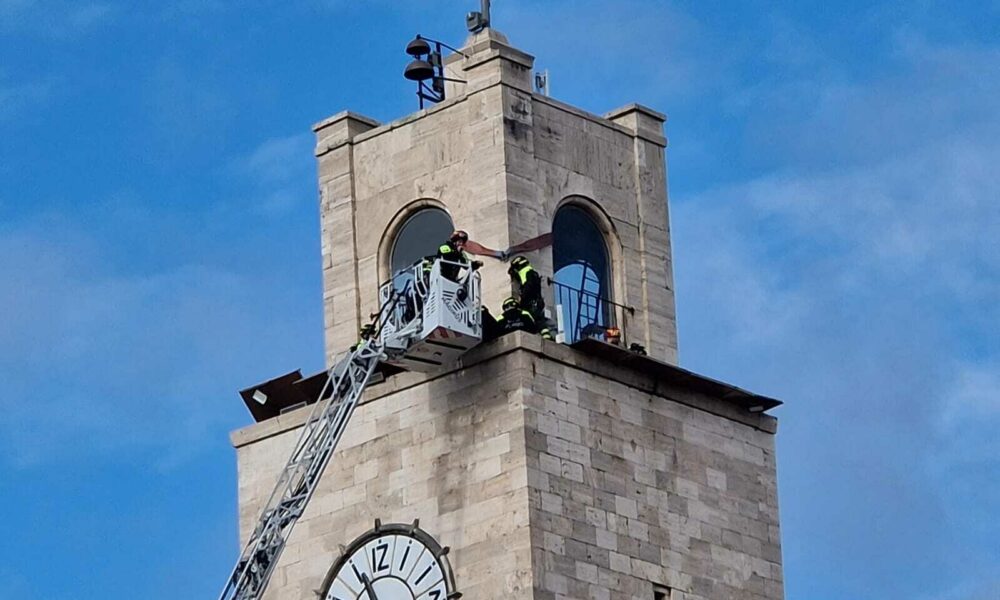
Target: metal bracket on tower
542	82
478	21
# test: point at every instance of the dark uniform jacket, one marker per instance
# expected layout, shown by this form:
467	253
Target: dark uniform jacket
529	289
447	251
516	318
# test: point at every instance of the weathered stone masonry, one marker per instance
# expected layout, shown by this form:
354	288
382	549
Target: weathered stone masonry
501	160
549	473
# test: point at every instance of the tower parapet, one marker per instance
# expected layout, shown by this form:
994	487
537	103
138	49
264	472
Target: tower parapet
502	162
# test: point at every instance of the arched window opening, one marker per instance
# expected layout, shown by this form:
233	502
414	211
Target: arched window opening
582	273
420	236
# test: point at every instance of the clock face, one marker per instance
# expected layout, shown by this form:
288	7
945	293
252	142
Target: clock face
391	562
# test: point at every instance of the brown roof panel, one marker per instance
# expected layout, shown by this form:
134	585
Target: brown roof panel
672	374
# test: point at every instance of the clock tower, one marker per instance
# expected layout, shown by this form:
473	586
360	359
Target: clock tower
532	469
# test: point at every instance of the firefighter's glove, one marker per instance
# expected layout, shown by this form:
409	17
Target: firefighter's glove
476	264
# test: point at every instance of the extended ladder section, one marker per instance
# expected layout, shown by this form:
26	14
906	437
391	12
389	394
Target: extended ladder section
427	323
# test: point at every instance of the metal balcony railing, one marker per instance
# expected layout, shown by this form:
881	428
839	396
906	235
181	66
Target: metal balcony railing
583	314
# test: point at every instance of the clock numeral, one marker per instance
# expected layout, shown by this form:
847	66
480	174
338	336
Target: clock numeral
402	563
424	574
379	553
357	573
437	592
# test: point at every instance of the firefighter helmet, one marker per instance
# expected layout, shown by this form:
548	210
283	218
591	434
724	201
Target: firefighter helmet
510	303
519	262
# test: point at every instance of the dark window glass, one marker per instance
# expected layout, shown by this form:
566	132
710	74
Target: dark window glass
581	265
419	236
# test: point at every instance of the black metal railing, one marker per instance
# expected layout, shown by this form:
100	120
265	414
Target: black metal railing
582	314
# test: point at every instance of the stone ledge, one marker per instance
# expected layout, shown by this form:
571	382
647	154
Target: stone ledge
339	130
644	123
415	116
606	120
498	51
635	107
532	344
345	114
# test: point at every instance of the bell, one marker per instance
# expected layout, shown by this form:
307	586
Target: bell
419	70
418	47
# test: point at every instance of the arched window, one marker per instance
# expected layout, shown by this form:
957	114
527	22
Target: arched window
582	272
419	236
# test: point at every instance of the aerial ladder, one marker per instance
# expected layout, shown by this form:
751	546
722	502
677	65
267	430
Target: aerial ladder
425	321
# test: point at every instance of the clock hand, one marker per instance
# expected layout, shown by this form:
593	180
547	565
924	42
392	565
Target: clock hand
368	587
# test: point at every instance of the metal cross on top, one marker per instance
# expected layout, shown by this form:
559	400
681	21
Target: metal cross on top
478	21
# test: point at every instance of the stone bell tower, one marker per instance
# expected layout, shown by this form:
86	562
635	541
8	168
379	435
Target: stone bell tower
550	471
501	161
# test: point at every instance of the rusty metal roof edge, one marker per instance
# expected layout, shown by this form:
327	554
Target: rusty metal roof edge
680	375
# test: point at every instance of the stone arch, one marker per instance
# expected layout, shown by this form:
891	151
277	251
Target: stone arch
586	256
400	228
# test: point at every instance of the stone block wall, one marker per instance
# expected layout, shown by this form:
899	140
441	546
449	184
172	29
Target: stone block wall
615	168
501	160
448	451
449	156
550	474
633	486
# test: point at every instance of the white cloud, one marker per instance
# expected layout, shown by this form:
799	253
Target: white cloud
975	397
988	589
858	288
648	51
98	362
917	215
187	104
279	173
922	217
966	457
279	160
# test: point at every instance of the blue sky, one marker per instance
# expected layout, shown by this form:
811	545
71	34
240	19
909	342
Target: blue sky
834	204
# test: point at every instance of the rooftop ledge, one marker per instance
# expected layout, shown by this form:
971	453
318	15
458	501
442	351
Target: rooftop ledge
615	363
370	128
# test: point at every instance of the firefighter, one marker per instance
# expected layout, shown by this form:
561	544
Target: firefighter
514	317
366	332
453	250
527	284
491	330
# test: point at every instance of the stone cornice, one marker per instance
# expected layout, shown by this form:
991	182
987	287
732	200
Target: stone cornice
686	389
